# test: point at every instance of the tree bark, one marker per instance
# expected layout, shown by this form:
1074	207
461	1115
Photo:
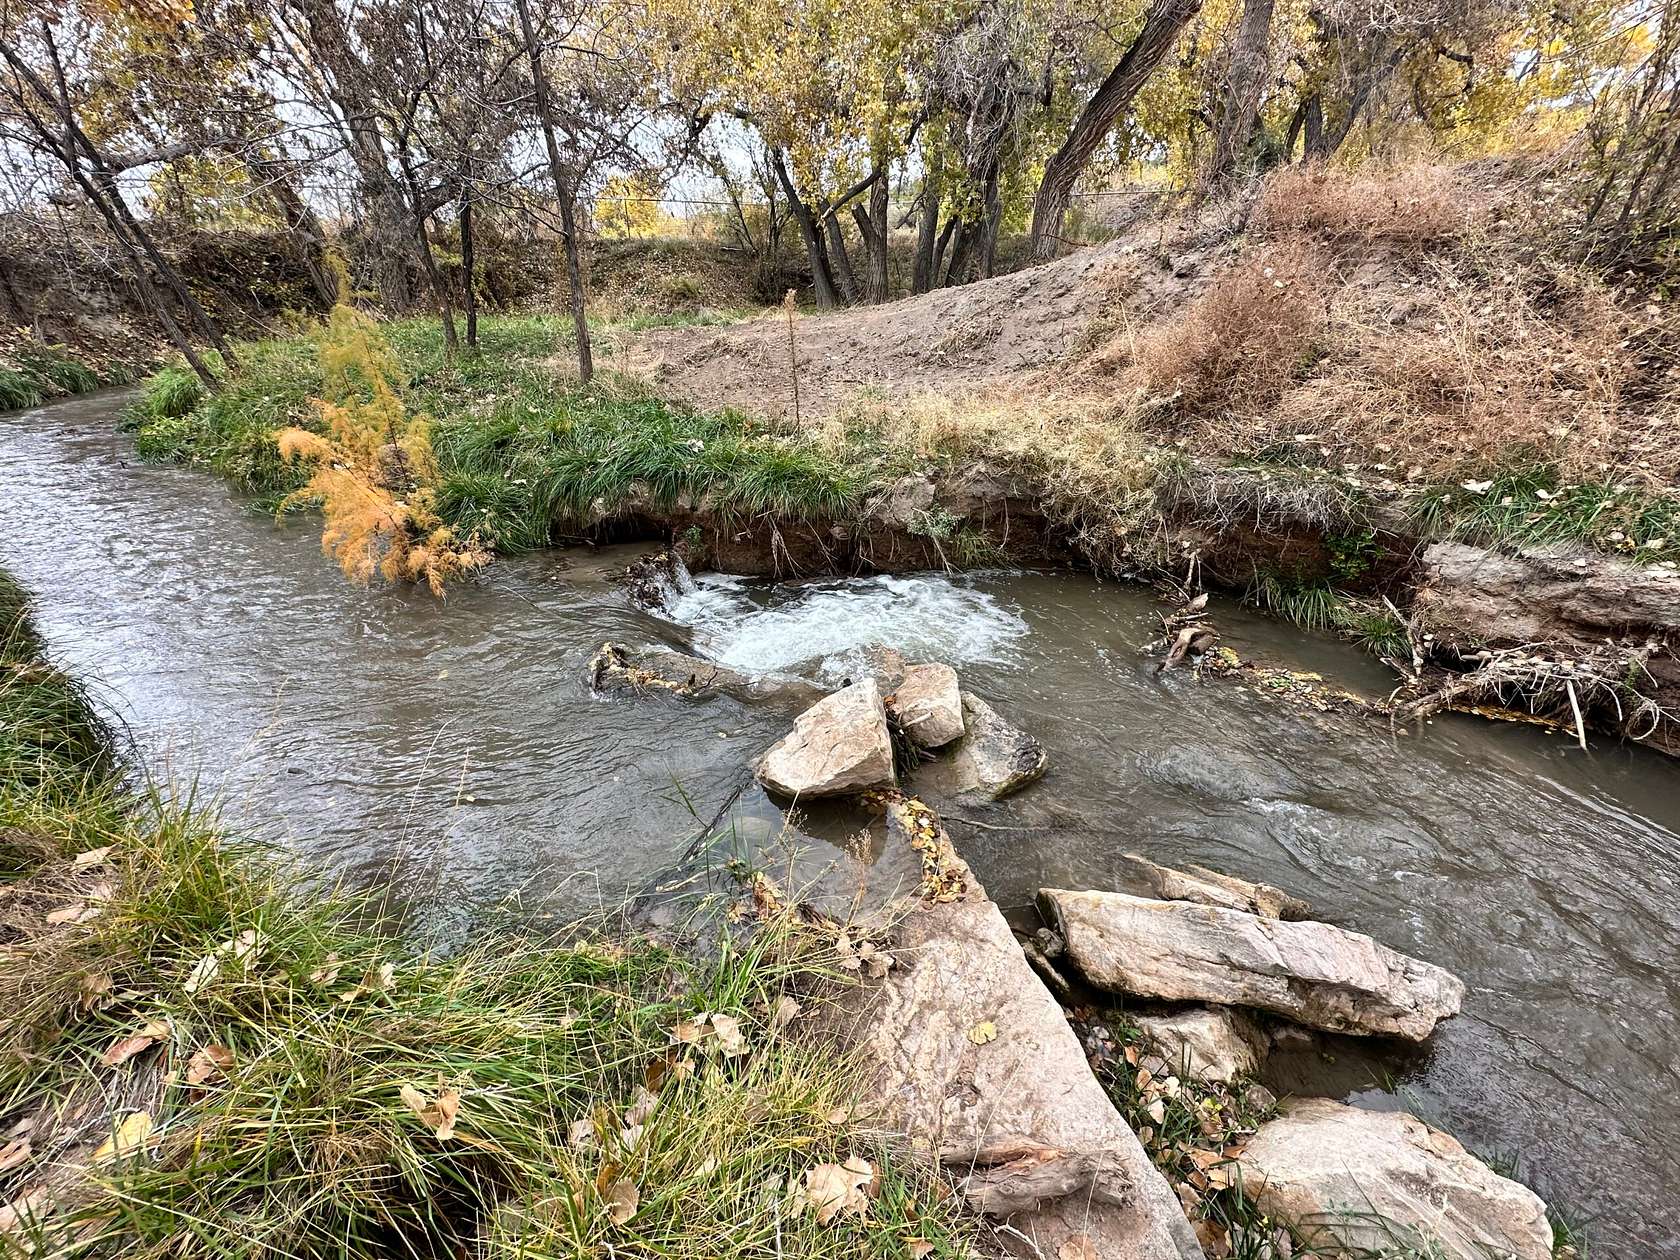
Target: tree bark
927	236
822	278
428	262
301	222
469	278
872	224
842	259
1243	86
1161	26
1323	142
564	190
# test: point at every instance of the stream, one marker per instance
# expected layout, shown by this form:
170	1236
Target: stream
457	745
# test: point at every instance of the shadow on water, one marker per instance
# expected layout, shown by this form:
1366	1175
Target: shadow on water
458	744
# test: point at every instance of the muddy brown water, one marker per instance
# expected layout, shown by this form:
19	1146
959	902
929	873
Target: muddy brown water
458	744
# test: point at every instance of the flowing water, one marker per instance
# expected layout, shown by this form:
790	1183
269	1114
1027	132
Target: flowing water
458	744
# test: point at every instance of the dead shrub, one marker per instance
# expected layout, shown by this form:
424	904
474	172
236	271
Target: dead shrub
1239	346
1415	205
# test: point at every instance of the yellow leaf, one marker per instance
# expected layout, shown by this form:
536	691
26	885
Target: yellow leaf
437	1115
131	1136
208	1063
838	1189
983	1032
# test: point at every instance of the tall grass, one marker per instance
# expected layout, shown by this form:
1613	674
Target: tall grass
520	453
38	374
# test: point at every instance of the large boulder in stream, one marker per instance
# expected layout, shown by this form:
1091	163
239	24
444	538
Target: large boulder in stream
1367	1182
839	746
1313	973
928	705
972	1061
994	758
1212	888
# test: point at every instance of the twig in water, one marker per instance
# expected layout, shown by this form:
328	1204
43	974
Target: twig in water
975	822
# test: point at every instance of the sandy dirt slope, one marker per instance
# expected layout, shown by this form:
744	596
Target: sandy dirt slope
947	341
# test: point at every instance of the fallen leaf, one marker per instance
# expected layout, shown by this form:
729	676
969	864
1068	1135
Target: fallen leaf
836	1189
918	1248
203	972
95	988
787	1010
67	914
1077	1247
728	1030
630	1137
15	1153
692	1031
208	1063
622	1201
580	1135
126	1048
643	1107
131	1136
93	857
983	1032
328	971
25	1211
437	1114
1158	1111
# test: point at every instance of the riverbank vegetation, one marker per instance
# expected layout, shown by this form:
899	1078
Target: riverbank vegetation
207	1052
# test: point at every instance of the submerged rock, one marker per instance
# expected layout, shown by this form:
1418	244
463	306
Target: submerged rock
838	746
972	1060
928	705
657	579
1366	1181
619	669
1211	888
994	758
1212	1043
1313	973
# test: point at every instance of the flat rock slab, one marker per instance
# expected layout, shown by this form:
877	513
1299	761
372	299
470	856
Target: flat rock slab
974	1062
1331	1171
994	759
1212	888
1313	973
1211	1043
839	746
928	705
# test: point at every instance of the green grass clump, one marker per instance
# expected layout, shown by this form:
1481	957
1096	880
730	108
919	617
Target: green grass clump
1319	607
296	1062
520	453
1534	507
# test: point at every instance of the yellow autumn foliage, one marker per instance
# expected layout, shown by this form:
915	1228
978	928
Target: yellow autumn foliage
373	471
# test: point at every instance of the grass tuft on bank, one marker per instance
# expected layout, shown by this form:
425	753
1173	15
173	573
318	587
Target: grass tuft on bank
522	454
208	1051
32	374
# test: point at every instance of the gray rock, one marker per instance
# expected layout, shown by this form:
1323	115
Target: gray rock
838	746
928	705
994	758
643	670
970	1058
1313	973
1355	1180
1211	888
1212	1043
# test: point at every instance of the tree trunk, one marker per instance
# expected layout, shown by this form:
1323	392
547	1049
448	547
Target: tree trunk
991	219
822	279
428	263
469	278
564	190
1243	87
301	222
872	224
384	210
1323	146
842	259
1161	26
927	236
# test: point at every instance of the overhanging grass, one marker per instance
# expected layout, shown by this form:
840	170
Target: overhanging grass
520	453
39	374
263	1111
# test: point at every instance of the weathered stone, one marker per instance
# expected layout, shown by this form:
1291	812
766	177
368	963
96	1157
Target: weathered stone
634	670
994	758
1211	888
1211	1043
840	745
972	1060
1313	973
657	580
928	705
1356	1180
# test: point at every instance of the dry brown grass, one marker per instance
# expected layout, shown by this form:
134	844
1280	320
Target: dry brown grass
1238	347
1413	205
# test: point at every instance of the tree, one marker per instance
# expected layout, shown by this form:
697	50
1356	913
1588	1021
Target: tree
1161	26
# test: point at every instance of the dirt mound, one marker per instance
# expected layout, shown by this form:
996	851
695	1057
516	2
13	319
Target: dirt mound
947	341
